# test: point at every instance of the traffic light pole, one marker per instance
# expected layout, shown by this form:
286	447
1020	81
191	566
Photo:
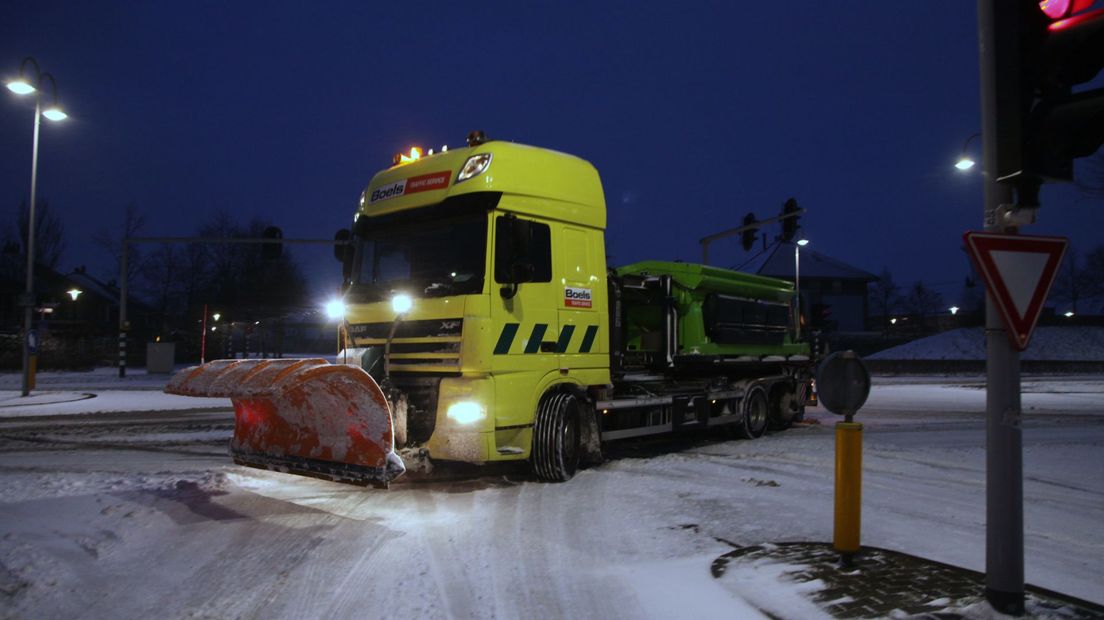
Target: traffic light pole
705	241
1004	550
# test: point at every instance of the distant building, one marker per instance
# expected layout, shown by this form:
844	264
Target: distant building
833	293
75	316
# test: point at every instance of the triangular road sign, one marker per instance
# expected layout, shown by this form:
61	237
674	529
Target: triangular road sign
1018	271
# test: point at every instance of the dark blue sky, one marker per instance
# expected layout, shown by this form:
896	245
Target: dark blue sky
694	114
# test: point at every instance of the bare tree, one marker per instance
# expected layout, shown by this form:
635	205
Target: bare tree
923	302
161	274
885	298
1069	284
49	234
239	276
972	296
132	224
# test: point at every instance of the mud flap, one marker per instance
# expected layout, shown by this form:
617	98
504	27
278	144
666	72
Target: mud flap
303	416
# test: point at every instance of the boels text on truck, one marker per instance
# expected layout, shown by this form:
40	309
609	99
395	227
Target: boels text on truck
483	324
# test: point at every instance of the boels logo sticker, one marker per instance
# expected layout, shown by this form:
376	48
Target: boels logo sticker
576	297
413	185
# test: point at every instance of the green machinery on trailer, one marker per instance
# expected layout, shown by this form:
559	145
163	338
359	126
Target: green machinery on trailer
698	346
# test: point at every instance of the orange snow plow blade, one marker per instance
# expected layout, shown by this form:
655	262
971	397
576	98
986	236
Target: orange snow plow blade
305	416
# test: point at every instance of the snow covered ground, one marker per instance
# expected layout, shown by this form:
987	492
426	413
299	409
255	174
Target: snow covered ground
140	513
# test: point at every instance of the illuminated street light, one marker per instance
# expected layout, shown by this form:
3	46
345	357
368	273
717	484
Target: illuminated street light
954	310
55	114
965	162
216	316
21	87
74	293
30	80
1069	315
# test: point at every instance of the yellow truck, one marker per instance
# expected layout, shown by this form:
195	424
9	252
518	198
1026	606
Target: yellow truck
483	324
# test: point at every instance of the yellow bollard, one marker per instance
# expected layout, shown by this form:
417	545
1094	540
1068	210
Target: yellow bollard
848	487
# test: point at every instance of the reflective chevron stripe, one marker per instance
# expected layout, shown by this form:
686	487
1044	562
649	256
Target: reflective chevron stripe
533	345
506	338
535	338
588	339
565	338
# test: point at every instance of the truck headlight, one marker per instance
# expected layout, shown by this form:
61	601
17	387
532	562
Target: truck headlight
466	412
401	303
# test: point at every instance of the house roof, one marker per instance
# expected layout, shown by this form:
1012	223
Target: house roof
779	263
91	285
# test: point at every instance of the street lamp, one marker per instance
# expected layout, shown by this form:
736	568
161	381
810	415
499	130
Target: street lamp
31	79
797	279
965	162
203	333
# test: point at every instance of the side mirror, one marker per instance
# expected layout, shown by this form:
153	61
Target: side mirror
519	272
341	245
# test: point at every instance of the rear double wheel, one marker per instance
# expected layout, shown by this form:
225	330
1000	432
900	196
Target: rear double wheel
756	413
555	452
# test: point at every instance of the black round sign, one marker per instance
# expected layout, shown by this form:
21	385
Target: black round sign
842	383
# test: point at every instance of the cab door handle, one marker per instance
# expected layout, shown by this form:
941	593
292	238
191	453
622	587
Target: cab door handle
549	347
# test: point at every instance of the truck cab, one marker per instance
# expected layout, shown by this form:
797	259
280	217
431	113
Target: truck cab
476	285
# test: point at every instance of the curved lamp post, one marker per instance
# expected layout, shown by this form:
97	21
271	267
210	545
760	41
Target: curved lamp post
965	162
31	81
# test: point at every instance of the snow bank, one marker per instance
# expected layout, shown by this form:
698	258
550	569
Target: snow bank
1074	344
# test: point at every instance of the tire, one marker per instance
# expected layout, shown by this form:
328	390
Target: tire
784	409
555	450
756	414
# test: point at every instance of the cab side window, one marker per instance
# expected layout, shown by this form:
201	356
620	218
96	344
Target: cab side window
523	250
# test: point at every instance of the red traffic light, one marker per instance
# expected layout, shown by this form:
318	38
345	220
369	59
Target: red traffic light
1061	9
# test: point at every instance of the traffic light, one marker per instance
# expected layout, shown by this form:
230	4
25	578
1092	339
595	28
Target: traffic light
789	224
751	231
1061	46
272	251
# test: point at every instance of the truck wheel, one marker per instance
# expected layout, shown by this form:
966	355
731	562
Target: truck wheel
784	409
756	412
555	453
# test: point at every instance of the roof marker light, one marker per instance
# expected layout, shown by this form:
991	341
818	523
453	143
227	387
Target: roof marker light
474	166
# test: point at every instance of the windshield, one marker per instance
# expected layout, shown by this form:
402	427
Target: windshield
419	255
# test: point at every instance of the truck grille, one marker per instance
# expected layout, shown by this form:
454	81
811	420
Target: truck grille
427	345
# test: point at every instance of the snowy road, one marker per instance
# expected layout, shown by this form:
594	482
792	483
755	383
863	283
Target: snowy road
142	513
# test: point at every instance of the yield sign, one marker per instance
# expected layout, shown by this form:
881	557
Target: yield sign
1018	271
